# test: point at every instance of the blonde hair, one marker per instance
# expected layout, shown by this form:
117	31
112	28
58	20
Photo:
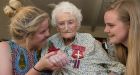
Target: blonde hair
129	14
66	7
24	20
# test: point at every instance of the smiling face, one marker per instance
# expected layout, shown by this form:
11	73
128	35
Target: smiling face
41	34
115	28
67	25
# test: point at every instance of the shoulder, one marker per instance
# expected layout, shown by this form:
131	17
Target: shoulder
53	39
4	49
85	36
55	36
97	42
89	36
5	56
4	45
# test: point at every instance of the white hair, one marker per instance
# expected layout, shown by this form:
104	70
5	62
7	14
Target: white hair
66	7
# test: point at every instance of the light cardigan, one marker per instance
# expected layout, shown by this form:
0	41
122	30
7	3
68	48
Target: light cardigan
95	60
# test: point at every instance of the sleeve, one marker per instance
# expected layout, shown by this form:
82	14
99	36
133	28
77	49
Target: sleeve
109	64
99	52
98	55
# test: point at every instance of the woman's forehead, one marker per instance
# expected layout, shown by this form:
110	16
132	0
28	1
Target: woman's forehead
65	16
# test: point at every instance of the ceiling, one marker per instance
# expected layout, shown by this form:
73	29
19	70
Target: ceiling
92	10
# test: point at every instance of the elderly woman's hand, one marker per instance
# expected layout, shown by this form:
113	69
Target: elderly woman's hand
52	61
56	60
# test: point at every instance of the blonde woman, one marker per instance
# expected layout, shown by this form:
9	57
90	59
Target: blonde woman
29	30
122	21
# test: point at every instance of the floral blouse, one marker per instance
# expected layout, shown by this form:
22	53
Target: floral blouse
86	55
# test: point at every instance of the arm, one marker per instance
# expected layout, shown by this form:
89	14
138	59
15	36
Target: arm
99	53
50	61
43	63
115	67
6	60
96	58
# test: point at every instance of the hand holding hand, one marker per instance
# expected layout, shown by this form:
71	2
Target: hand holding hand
53	60
59	59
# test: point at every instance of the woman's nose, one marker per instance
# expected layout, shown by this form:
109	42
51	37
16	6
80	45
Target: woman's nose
106	30
47	34
66	26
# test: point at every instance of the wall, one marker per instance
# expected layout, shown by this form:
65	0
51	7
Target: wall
4	20
97	32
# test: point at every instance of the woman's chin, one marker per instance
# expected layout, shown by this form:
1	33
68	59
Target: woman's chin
67	36
113	42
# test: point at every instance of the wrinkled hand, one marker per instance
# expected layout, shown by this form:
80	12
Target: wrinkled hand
44	62
58	60
53	60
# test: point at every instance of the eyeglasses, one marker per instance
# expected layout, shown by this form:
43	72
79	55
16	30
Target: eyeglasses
66	24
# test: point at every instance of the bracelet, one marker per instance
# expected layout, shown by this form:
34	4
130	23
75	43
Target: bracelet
43	71
36	69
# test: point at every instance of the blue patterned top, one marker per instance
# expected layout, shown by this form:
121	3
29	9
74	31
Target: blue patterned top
22	60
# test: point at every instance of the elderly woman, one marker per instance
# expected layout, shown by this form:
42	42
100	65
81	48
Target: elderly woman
85	54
